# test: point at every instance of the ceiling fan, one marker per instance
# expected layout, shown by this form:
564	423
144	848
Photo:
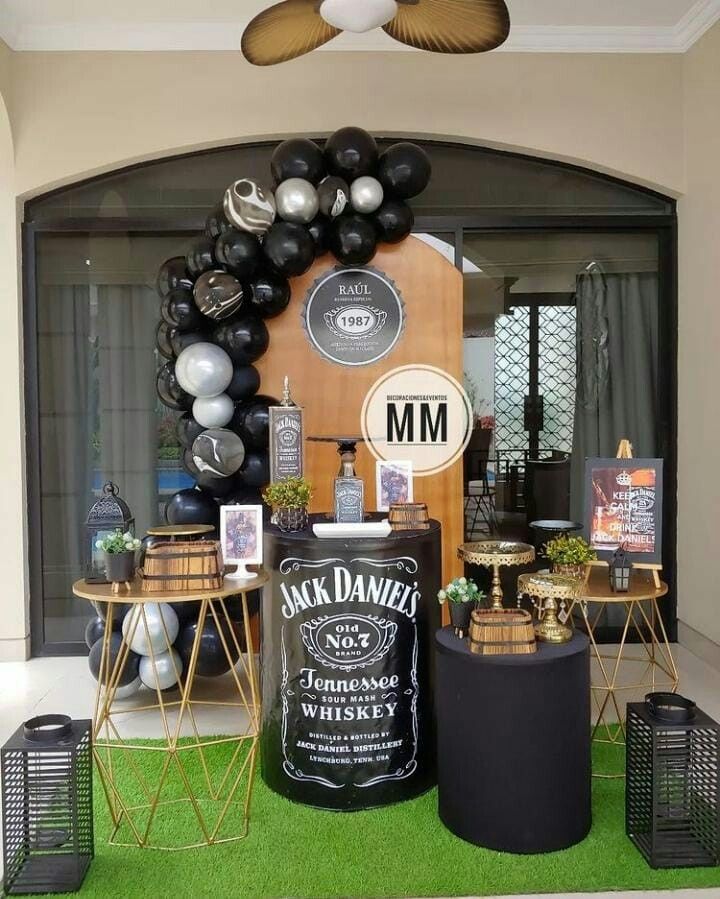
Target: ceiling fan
294	27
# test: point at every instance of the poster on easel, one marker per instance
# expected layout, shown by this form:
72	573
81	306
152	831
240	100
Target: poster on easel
623	507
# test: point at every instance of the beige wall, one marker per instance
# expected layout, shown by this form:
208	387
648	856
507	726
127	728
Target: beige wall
75	114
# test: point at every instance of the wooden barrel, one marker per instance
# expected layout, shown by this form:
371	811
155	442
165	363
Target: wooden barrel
409	517
495	632
182	565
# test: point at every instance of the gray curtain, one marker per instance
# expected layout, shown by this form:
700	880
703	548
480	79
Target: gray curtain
617	361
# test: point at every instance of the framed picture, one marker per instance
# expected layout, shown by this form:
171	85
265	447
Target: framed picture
623	506
241	538
394	483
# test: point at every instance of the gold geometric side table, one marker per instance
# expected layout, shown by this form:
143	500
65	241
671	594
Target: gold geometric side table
496	554
646	667
549	589
173	775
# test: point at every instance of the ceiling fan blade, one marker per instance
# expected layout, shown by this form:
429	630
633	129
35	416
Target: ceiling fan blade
451	26
285	31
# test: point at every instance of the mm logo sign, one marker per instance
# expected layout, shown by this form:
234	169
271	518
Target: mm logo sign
419	413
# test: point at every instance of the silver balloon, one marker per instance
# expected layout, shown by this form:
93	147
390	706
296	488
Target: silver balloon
156	614
366	194
297	201
204	369
162	671
213	411
249	206
219	452
129	689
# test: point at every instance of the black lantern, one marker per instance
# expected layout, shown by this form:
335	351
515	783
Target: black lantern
620	568
672	807
47	805
109	514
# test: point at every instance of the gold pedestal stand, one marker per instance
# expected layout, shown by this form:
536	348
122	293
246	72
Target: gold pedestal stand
176	779
546	590
496	554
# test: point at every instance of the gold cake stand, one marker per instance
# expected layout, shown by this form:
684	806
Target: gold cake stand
177	775
496	554
549	590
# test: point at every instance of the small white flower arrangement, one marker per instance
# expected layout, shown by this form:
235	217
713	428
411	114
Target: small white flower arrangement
460	590
118	542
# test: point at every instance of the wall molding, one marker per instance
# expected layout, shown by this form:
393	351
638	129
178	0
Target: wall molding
179	36
15	649
698	644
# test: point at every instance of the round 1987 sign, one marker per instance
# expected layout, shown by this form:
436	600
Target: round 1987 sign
354	316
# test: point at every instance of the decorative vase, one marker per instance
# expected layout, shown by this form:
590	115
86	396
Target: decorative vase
569	570
460	616
290	520
120	567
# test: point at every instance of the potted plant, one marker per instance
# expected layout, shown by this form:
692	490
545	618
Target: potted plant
289	499
119	550
463	596
569	555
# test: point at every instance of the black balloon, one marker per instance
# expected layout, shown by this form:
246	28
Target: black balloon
187	429
319	229
95	630
181	340
216	223
245	338
201	256
218	487
297	157
333	196
252	422
163	337
131	668
233	604
191	506
353	239
247	496
289	248
212	659
245	383
394	221
120	609
173	274
239	252
350	153
186	611
269	294
170	392
256	470
404	170
178	309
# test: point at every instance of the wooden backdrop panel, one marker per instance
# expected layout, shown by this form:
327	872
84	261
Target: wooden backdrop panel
332	395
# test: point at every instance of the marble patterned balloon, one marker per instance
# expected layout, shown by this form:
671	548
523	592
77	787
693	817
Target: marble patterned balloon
249	207
333	195
217	294
219	452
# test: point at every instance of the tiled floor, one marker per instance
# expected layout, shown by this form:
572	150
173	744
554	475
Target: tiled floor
64	685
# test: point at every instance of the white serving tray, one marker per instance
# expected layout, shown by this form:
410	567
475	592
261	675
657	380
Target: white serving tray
361	529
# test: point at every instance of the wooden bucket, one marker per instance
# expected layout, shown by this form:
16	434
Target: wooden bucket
409	517
182	566
495	632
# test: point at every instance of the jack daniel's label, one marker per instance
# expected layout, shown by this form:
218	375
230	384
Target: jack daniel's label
349	502
286	442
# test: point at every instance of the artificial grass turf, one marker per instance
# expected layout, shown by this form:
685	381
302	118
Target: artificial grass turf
401	850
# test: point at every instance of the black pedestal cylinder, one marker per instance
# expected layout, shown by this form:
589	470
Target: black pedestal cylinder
347	667
514	768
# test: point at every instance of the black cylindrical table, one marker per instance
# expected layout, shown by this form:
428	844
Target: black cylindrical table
347	665
514	768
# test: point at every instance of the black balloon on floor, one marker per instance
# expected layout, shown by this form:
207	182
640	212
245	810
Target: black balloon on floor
297	157
120	609
212	659
239	252
353	239
350	153
187	430
244	338
404	170
163	336
181	340
234	607
173	274
186	611
170	392
319	229
289	248
95	629
269	294
201	256
131	668
245	383
192	506
252	422
394	221
216	223
178	309
256	469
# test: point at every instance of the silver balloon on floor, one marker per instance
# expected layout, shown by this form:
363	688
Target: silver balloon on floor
162	627
161	671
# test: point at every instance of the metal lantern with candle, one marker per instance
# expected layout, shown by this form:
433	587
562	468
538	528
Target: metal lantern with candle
620	568
107	515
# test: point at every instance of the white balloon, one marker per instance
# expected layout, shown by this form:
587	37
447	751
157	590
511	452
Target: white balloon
129	689
366	194
204	369
155	614
162	671
213	411
297	200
